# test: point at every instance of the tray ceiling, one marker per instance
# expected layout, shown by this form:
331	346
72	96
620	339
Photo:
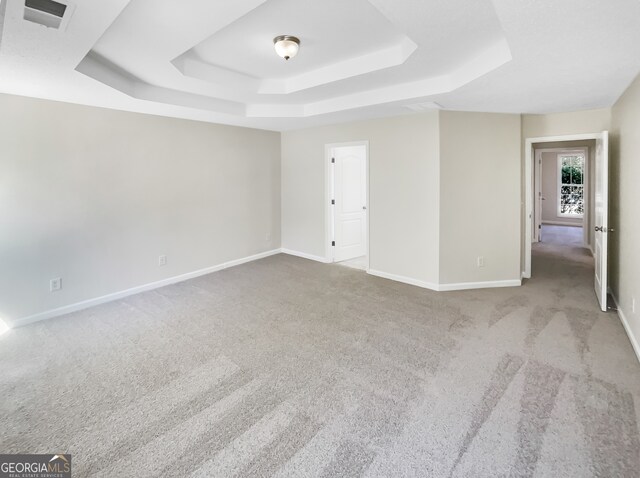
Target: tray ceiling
214	61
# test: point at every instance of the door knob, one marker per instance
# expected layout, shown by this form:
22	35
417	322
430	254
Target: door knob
598	228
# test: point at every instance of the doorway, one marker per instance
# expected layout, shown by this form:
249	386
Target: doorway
347	203
598	228
562	191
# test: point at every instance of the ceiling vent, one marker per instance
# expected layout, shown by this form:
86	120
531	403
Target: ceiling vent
45	12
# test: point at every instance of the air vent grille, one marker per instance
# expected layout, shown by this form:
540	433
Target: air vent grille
49	13
47	6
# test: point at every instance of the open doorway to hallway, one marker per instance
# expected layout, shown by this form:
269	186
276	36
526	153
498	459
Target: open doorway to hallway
578	197
563	208
347	202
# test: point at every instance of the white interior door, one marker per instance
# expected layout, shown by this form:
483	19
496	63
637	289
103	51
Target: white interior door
601	217
539	197
350	209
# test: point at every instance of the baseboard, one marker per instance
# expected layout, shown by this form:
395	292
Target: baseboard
627	328
406	280
304	255
481	285
49	314
562	223
446	287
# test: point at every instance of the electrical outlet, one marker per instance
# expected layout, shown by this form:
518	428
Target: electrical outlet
633	305
55	284
480	261
267	236
162	260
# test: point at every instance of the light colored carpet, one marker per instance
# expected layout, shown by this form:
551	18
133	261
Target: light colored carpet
562	235
287	367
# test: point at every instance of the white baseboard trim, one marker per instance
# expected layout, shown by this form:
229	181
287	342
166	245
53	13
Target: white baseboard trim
562	223
49	314
304	255
625	323
406	280
446	287
481	285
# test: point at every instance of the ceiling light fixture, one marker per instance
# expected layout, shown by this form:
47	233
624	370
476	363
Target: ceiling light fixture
286	46
4	328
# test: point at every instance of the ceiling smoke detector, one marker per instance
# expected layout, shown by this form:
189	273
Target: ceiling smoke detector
286	46
45	12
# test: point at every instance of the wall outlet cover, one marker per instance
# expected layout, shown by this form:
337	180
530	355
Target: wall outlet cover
55	284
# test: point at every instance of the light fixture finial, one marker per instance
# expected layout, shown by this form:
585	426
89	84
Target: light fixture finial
286	46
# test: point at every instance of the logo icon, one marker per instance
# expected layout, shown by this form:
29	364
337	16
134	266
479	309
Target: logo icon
59	457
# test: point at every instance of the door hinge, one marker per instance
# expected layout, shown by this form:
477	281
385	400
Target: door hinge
333	160
333	243
333	201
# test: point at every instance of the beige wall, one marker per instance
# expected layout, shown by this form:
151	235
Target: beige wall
403	195
444	190
548	186
558	124
480	197
95	196
624	245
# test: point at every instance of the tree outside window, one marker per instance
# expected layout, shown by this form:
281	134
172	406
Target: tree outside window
571	185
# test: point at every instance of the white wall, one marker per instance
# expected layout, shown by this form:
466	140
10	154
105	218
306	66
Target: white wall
403	195
95	196
480	197
624	212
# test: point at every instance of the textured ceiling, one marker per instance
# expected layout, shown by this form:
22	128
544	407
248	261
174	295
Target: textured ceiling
214	61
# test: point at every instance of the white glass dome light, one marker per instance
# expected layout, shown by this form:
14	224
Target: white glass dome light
286	46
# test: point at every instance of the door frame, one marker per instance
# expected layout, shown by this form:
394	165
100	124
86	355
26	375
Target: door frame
529	188
537	183
329	177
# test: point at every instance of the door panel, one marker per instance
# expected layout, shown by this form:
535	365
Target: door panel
538	202
350	186
601	218
351	233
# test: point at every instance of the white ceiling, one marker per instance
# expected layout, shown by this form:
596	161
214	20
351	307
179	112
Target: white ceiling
214	60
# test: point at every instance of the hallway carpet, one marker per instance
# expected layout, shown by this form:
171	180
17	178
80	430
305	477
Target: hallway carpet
562	235
290	368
